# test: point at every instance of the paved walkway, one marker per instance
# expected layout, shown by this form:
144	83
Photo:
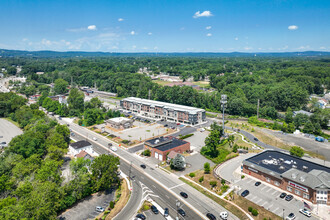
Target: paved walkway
8	130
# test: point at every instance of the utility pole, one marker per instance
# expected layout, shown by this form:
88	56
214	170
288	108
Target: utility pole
223	104
258	108
149	93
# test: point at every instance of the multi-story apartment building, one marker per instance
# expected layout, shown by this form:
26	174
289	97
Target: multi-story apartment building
163	110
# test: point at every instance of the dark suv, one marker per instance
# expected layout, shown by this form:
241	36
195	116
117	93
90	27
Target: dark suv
245	193
154	209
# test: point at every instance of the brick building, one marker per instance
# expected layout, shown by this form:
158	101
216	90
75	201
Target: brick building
308	180
161	146
163	110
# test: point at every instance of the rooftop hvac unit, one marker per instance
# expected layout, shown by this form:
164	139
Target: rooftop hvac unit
302	179
282	167
294	166
156	141
305	167
294	176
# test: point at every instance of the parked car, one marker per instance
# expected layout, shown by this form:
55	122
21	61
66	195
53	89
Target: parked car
99	209
257	183
211	216
181	212
143	166
256	139
224	215
109	144
288	197
305	212
166	212
141	216
94	138
178	124
184	195
319	139
291	216
72	134
113	148
283	195
245	193
154	209
165	125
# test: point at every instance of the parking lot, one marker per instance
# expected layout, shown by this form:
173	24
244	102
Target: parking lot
8	131
269	198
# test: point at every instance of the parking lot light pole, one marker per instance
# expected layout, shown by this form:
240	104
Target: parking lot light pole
223	102
283	213
177	203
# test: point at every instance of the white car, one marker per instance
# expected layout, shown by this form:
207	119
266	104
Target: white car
99	209
94	138
291	216
113	148
304	211
224	215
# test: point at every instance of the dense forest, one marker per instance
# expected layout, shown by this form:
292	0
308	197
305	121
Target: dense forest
279	83
31	184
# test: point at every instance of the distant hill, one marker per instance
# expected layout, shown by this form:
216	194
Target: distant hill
56	54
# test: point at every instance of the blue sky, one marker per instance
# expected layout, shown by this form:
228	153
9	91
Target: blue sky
165	25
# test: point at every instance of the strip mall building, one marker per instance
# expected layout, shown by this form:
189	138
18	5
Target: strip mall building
300	177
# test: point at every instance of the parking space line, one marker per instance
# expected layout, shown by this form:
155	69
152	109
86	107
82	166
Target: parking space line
249	181
263	188
255	197
276	209
263	205
259	201
274	192
271	205
269	189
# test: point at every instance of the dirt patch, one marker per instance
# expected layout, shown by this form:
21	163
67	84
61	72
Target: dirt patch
206	180
121	203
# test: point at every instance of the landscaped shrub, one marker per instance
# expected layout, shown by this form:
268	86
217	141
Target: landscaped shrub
242	177
146	153
185	136
250	209
201	179
192	175
223	181
254	212
112	204
207	168
213	183
146	207
125	141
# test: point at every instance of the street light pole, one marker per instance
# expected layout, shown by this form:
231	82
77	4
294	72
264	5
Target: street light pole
177	203
283	213
223	104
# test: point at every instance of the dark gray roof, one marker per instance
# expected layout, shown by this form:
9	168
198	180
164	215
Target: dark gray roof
314	179
281	162
80	144
165	143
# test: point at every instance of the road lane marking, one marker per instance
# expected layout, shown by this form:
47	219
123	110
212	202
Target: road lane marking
177	186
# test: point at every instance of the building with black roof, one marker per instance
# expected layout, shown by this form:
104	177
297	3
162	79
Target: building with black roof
76	147
303	178
161	146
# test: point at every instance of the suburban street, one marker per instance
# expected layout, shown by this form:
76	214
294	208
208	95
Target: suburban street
166	186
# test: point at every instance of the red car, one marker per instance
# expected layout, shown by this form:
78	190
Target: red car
177	123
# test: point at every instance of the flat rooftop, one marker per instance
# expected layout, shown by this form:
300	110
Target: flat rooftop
281	162
165	143
119	119
166	105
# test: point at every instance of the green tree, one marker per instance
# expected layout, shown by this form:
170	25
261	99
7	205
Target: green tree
104	172
76	101
61	86
289	115
309	127
207	168
178	162
296	151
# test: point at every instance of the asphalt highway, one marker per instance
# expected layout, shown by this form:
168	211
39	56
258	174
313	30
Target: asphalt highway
166	187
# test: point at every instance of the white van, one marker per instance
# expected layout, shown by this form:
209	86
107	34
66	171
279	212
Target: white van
223	215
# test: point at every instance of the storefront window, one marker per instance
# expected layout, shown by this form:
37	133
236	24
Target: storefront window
289	189
276	183
306	196
297	192
267	179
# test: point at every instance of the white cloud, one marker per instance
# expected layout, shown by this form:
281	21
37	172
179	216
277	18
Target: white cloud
149	33
236	38
198	14
156	48
144	48
132	32
247	48
92	27
293	27
134	47
120	19
322	48
209	35
208	27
